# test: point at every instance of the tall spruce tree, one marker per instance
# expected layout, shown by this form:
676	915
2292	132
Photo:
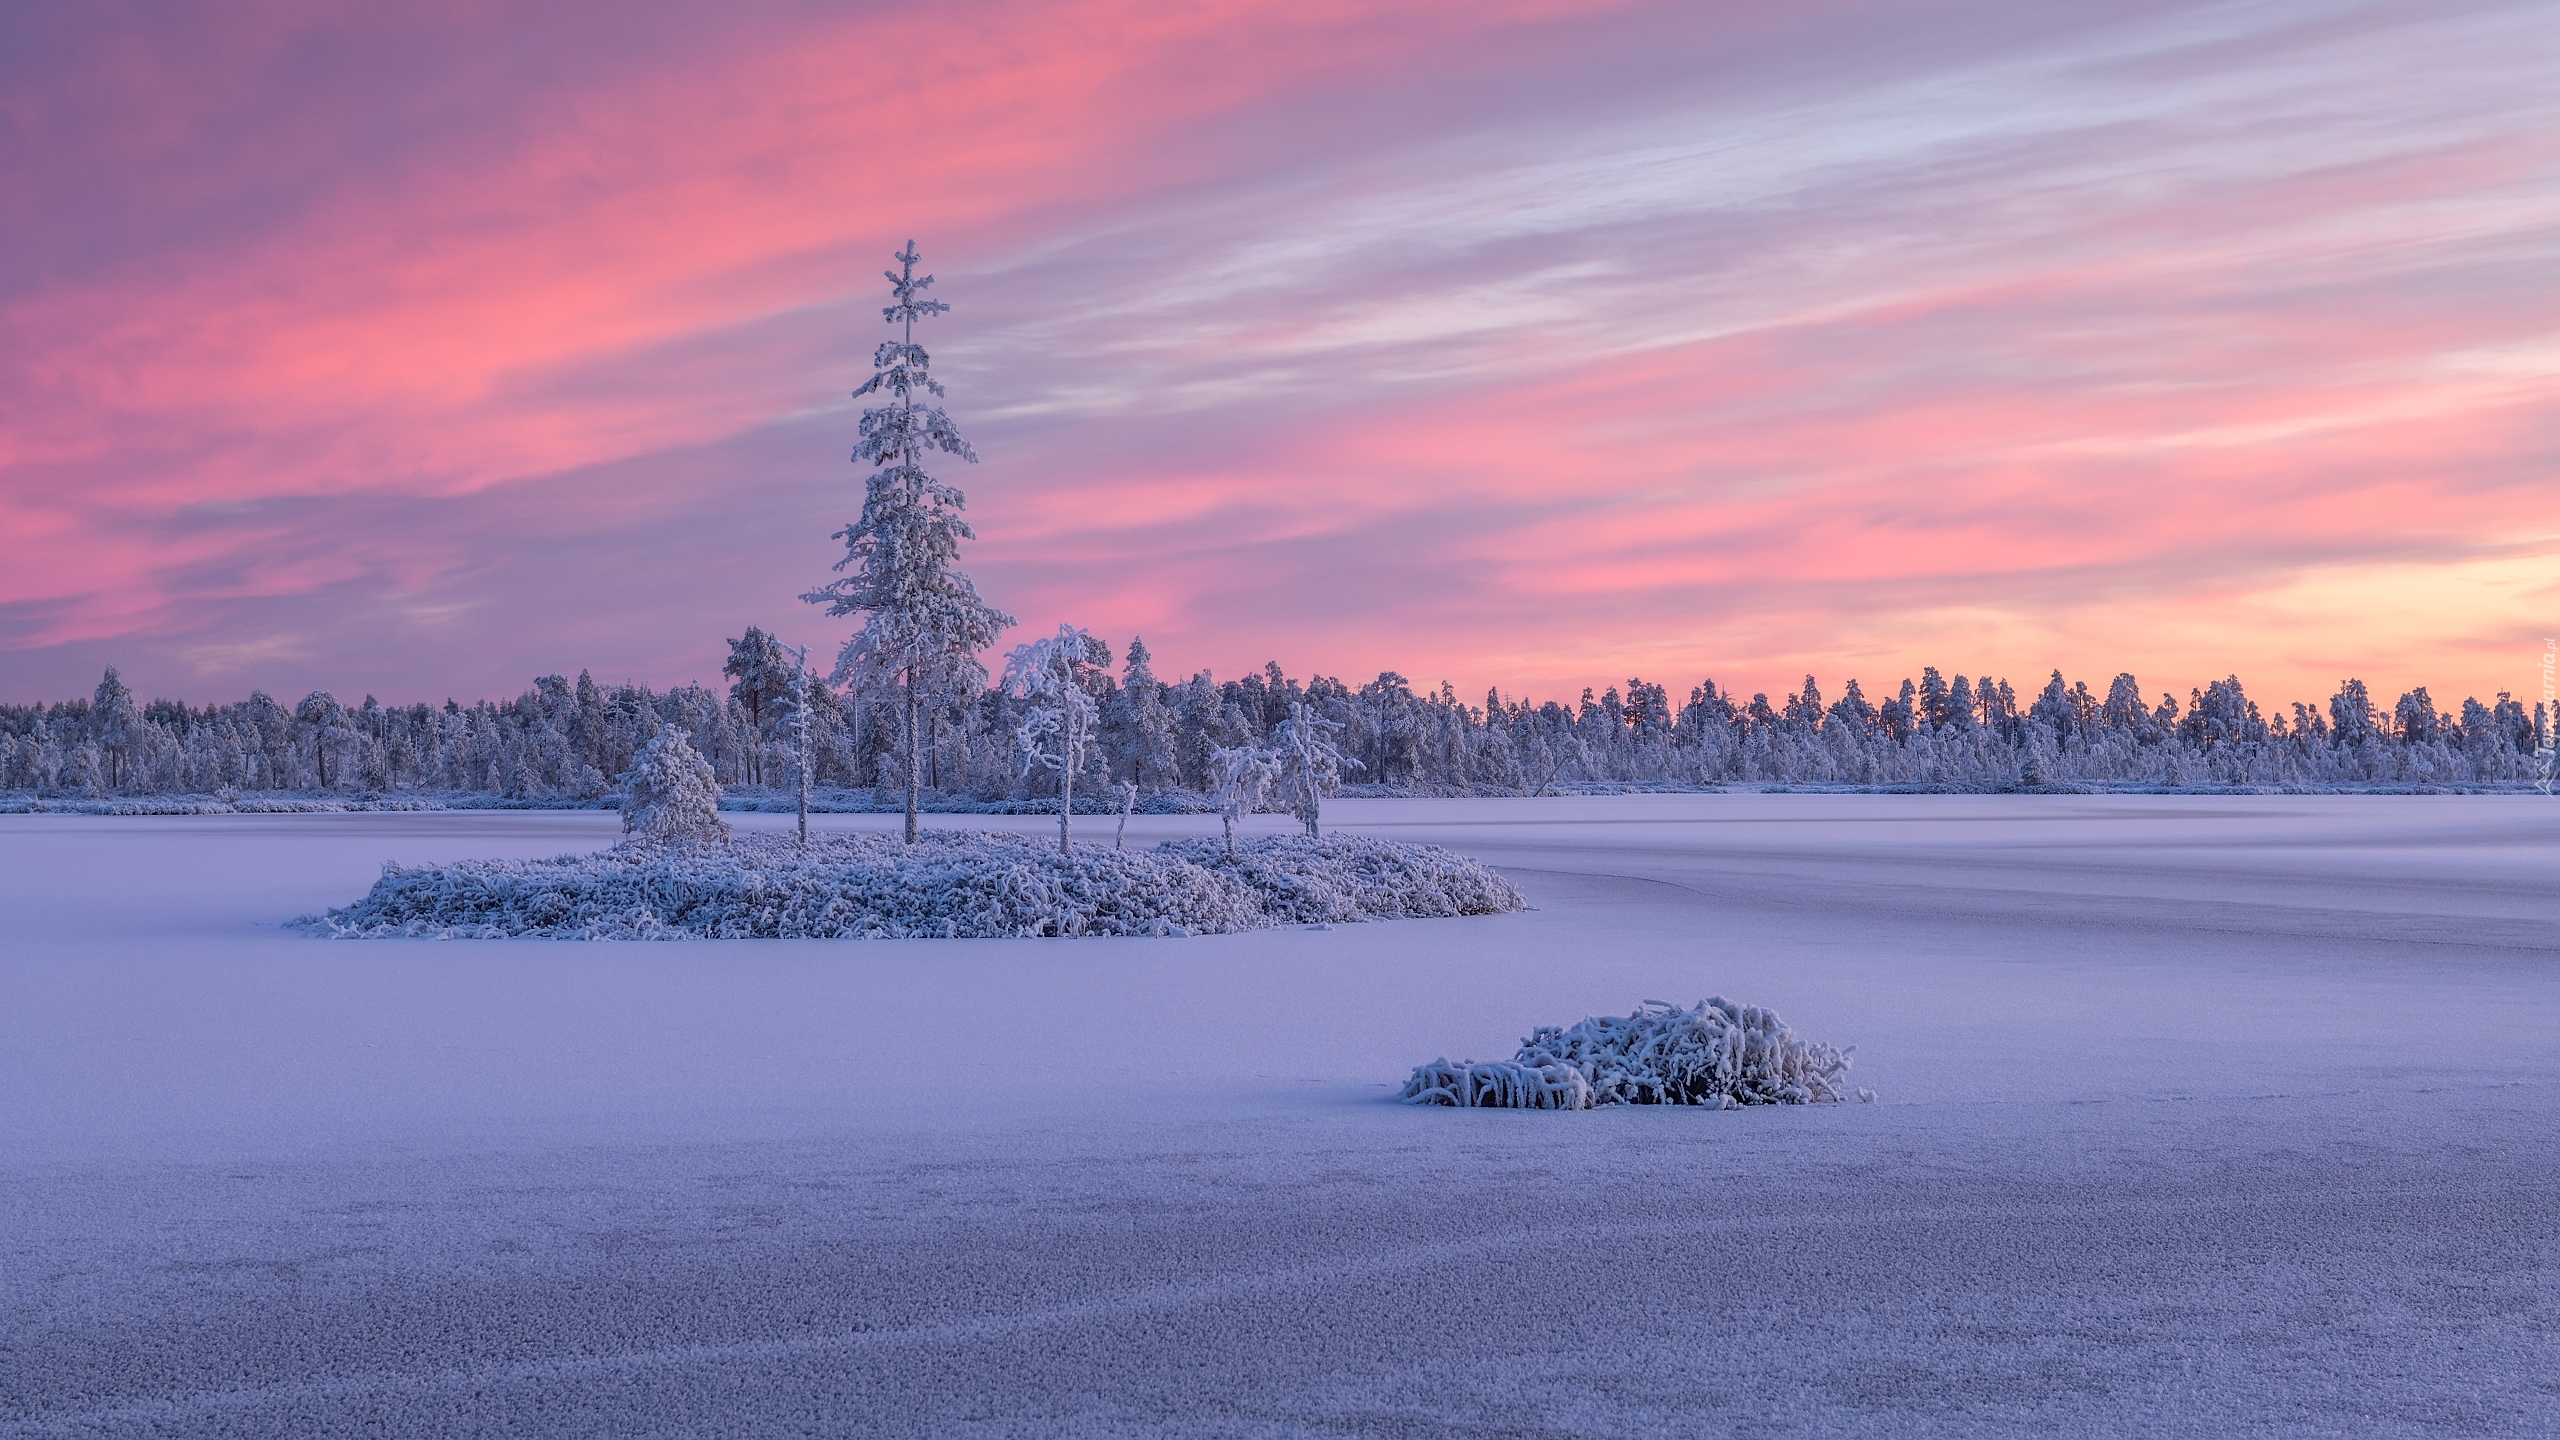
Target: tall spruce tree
923	623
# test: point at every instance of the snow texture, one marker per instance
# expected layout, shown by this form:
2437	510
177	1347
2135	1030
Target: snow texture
2226	1117
948	885
1720	1055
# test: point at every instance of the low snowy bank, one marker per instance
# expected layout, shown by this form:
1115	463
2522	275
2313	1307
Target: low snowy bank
949	885
737	799
838	801
1720	1055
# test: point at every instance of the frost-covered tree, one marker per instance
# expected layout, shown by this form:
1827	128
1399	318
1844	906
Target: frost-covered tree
1137	727
923	623
2415	717
1311	762
804	759
1056	677
326	719
671	797
2351	713
117	723
1239	776
763	675
1852	712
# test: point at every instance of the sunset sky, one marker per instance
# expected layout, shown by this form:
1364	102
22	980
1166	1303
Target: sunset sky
421	349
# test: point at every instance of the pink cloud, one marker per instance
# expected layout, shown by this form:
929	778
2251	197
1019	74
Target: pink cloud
1531	345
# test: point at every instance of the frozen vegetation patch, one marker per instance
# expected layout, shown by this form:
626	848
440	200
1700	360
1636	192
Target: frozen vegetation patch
948	884
1315	881
1720	1055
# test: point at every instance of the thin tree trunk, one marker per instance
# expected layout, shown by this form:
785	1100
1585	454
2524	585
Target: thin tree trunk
1066	805
800	736
915	757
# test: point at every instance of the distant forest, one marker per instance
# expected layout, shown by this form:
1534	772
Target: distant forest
564	741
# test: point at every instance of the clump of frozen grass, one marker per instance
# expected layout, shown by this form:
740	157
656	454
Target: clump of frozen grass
1720	1055
947	885
1314	881
671	796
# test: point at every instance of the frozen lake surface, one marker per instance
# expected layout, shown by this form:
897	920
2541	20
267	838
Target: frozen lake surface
2199	1116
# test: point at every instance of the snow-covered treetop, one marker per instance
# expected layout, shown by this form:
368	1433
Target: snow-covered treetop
1073	661
1058	675
1239	776
904	284
925	622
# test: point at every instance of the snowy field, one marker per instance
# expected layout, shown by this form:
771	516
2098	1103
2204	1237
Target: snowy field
2199	1116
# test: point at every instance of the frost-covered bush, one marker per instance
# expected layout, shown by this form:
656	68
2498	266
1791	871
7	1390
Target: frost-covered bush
1354	877
671	797
948	885
1719	1055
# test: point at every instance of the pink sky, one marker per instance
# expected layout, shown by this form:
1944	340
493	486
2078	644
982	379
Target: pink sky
1535	345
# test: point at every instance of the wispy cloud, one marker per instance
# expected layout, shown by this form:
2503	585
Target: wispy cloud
1531	346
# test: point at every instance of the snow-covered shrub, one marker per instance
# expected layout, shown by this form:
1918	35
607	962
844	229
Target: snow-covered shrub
1499	1084
1354	877
1719	1055
670	796
948	884
1239	775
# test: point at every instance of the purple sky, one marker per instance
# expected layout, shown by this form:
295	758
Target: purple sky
422	349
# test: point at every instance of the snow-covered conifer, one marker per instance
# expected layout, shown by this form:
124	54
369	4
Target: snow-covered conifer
1852	710
116	724
2054	709
671	797
923	624
1805	707
2415	717
1139	728
1056	676
762	670
1937	706
2351	713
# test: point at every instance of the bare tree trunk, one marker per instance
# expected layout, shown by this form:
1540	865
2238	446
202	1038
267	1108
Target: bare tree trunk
1128	803
1066	807
915	757
800	735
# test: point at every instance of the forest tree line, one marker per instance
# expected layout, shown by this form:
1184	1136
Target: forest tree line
565	740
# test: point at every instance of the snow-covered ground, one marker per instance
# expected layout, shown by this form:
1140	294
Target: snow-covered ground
2213	1116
